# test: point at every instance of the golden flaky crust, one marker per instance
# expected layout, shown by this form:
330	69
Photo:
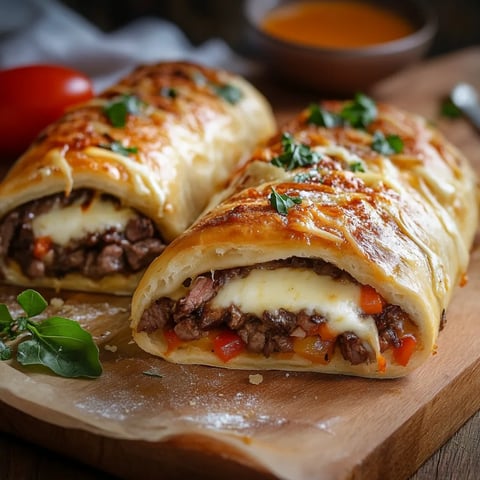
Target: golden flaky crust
187	142
404	226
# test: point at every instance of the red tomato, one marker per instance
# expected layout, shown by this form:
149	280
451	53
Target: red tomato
227	345
34	96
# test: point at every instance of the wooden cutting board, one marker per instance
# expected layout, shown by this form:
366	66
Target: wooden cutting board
202	422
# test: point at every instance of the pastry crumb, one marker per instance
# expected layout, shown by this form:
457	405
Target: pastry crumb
56	302
110	348
256	379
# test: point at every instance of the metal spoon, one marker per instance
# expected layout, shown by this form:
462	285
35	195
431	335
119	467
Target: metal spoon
465	98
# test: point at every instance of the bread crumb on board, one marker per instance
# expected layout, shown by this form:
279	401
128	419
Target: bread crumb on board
111	348
255	379
56	302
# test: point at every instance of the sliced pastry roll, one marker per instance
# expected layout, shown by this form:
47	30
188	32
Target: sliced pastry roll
104	189
335	249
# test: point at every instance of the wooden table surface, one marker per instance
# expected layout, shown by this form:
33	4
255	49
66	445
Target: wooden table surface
458	458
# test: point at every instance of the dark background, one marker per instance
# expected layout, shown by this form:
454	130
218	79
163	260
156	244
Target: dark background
458	20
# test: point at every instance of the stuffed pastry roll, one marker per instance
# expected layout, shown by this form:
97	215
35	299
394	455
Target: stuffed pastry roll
336	249
104	189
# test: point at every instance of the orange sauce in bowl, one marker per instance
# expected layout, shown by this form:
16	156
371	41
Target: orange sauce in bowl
335	24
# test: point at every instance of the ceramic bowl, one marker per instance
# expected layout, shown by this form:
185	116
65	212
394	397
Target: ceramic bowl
341	70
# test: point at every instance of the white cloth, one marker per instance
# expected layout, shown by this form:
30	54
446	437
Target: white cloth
45	31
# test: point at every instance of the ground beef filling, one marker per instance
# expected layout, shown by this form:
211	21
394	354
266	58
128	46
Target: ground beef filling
95	256
192	316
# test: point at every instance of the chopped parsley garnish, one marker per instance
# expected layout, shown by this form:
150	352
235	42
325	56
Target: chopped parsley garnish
449	109
229	93
357	167
282	202
117	147
169	92
323	118
360	112
57	343
118	109
294	154
387	145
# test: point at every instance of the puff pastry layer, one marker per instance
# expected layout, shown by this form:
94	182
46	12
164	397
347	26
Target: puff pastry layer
182	131
343	264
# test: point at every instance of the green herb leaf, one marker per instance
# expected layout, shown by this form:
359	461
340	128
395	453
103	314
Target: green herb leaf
387	145
57	343
169	92
449	109
294	154
282	202
63	346
118	109
357	167
18	327
229	93
5	352
360	112
117	147
5	317
323	118
32	302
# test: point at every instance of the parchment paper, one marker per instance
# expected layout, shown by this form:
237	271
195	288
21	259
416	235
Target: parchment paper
293	425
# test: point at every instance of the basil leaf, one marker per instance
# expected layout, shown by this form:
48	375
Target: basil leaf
5	317
387	145
323	118
282	202
63	346
229	93
169	92
18	327
294	154
360	112
449	109
117	110
117	147
32	302
5	352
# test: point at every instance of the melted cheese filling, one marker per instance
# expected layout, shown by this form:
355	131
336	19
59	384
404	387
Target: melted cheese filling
296	289
73	222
